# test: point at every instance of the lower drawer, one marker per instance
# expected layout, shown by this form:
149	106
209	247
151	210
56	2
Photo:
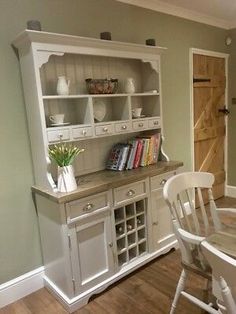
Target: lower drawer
87	205
158	181
130	192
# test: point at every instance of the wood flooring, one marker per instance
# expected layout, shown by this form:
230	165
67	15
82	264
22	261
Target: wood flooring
148	290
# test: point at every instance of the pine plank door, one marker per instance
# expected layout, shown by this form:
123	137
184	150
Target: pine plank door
209	83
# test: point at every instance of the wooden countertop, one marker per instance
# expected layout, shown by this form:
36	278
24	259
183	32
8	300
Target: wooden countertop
106	179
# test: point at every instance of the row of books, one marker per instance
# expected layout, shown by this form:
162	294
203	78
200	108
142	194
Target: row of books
141	151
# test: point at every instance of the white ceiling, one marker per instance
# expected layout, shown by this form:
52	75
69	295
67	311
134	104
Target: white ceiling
220	13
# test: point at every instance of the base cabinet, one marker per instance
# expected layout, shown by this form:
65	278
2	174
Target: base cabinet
92	251
110	234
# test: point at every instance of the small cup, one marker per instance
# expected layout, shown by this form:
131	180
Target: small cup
136	112
57	118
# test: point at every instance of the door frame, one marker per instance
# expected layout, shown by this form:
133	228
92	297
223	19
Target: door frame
225	56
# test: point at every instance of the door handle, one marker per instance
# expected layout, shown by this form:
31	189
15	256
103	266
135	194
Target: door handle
224	110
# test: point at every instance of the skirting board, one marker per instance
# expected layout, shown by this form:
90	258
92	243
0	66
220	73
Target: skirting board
21	286
230	191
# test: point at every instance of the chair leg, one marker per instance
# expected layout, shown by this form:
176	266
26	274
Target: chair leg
179	289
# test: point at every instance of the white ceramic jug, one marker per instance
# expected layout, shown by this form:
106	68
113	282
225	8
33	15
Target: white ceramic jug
129	85
63	85
66	179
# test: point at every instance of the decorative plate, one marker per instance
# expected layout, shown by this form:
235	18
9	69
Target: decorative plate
99	110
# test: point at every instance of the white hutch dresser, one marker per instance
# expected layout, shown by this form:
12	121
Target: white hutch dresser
114	222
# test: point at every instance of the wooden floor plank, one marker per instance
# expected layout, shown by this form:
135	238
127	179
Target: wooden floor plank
149	290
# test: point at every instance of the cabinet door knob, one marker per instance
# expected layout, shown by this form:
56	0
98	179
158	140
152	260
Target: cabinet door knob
105	129
88	207
155	223
110	244
124	127
130	193
155	122
163	182
140	125
84	132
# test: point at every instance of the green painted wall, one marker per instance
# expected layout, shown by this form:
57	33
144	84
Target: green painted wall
19	239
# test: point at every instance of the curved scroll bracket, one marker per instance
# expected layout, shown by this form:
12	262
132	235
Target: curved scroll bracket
43	56
49	176
154	64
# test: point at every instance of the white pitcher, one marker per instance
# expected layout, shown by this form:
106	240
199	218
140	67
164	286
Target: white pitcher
129	85
66	179
63	85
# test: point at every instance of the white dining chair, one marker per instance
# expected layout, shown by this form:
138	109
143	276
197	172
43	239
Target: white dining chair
224	277
191	226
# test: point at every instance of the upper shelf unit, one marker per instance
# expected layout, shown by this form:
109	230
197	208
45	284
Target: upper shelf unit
46	56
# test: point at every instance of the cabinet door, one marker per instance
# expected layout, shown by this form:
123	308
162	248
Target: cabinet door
162	231
92	251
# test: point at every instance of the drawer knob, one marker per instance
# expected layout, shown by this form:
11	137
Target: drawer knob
155	223
105	129
130	193
163	182
88	207
60	136
155	122
140	125
124	127
84	132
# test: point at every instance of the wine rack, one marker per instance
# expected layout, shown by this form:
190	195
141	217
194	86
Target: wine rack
131	231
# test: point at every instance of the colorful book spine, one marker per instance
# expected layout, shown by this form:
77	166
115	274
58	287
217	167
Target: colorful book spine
133	150
123	160
156	149
138	154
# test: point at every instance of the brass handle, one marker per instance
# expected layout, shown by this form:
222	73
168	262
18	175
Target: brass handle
130	192
88	207
124	127
140	125
105	129
163	182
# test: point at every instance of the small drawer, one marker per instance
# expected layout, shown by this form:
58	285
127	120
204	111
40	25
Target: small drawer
86	205
58	135
122	127
140	125
82	132
154	123
129	192
157	182
104	129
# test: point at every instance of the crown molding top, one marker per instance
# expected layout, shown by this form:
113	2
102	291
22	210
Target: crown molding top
161	6
77	44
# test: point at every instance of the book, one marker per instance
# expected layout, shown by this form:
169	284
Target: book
133	148
123	159
156	147
144	156
114	157
138	154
